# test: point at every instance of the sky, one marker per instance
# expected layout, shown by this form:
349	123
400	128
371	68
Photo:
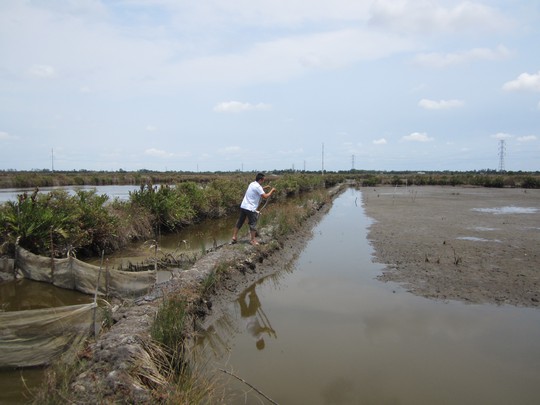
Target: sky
261	85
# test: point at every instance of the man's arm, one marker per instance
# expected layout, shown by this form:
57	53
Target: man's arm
266	195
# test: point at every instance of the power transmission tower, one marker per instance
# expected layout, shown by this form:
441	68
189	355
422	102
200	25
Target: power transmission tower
352	162
502	154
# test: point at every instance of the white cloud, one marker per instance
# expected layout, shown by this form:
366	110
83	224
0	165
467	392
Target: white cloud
275	12
172	59
289	152
151	128
230	150
237	106
42	71
4	136
422	16
440	105
527	138
525	81
417	137
442	60
501	135
158	153
288	57
381	141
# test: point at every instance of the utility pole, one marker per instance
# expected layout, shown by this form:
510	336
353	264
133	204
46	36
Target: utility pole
52	160
352	162
502	153
322	166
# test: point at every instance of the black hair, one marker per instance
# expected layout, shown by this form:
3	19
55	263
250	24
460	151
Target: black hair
259	177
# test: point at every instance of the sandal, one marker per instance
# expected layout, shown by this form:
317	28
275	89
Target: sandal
255	243
233	241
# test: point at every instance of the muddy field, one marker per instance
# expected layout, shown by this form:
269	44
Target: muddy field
476	245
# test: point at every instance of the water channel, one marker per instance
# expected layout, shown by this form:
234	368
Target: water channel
121	192
333	334
325	331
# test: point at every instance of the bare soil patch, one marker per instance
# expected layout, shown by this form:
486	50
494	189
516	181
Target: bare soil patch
476	245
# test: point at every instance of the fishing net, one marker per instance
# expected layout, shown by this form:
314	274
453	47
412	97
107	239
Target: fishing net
35	337
77	275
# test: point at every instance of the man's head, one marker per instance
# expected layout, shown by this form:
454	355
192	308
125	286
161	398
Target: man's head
259	177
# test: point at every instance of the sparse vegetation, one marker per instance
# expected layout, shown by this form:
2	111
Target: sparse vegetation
169	327
54	223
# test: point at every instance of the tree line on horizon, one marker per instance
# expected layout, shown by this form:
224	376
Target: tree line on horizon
48	178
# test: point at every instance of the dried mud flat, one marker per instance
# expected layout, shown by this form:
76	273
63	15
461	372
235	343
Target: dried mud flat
476	245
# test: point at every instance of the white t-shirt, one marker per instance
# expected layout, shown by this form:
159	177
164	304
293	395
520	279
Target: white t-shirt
252	198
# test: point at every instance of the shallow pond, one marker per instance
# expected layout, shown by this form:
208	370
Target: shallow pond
325	331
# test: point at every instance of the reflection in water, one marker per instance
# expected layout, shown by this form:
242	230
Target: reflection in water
218	335
256	321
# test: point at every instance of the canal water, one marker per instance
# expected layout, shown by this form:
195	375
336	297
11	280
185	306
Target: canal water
325	331
121	192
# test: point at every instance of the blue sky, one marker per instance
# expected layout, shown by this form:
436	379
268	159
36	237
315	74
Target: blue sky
269	84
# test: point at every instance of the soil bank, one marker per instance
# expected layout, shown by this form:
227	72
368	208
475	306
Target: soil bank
477	245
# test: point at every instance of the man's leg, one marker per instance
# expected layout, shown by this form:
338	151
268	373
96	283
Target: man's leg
238	225
252	221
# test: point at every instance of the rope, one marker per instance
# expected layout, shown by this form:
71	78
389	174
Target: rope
249	385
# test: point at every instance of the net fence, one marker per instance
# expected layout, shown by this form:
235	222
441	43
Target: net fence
75	274
35	337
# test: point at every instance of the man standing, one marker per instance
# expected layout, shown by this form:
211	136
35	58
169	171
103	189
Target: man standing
248	208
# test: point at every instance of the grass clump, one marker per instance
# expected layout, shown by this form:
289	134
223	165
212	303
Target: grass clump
169	325
179	380
209	283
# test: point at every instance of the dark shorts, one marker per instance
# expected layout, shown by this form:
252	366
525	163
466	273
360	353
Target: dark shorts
251	216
